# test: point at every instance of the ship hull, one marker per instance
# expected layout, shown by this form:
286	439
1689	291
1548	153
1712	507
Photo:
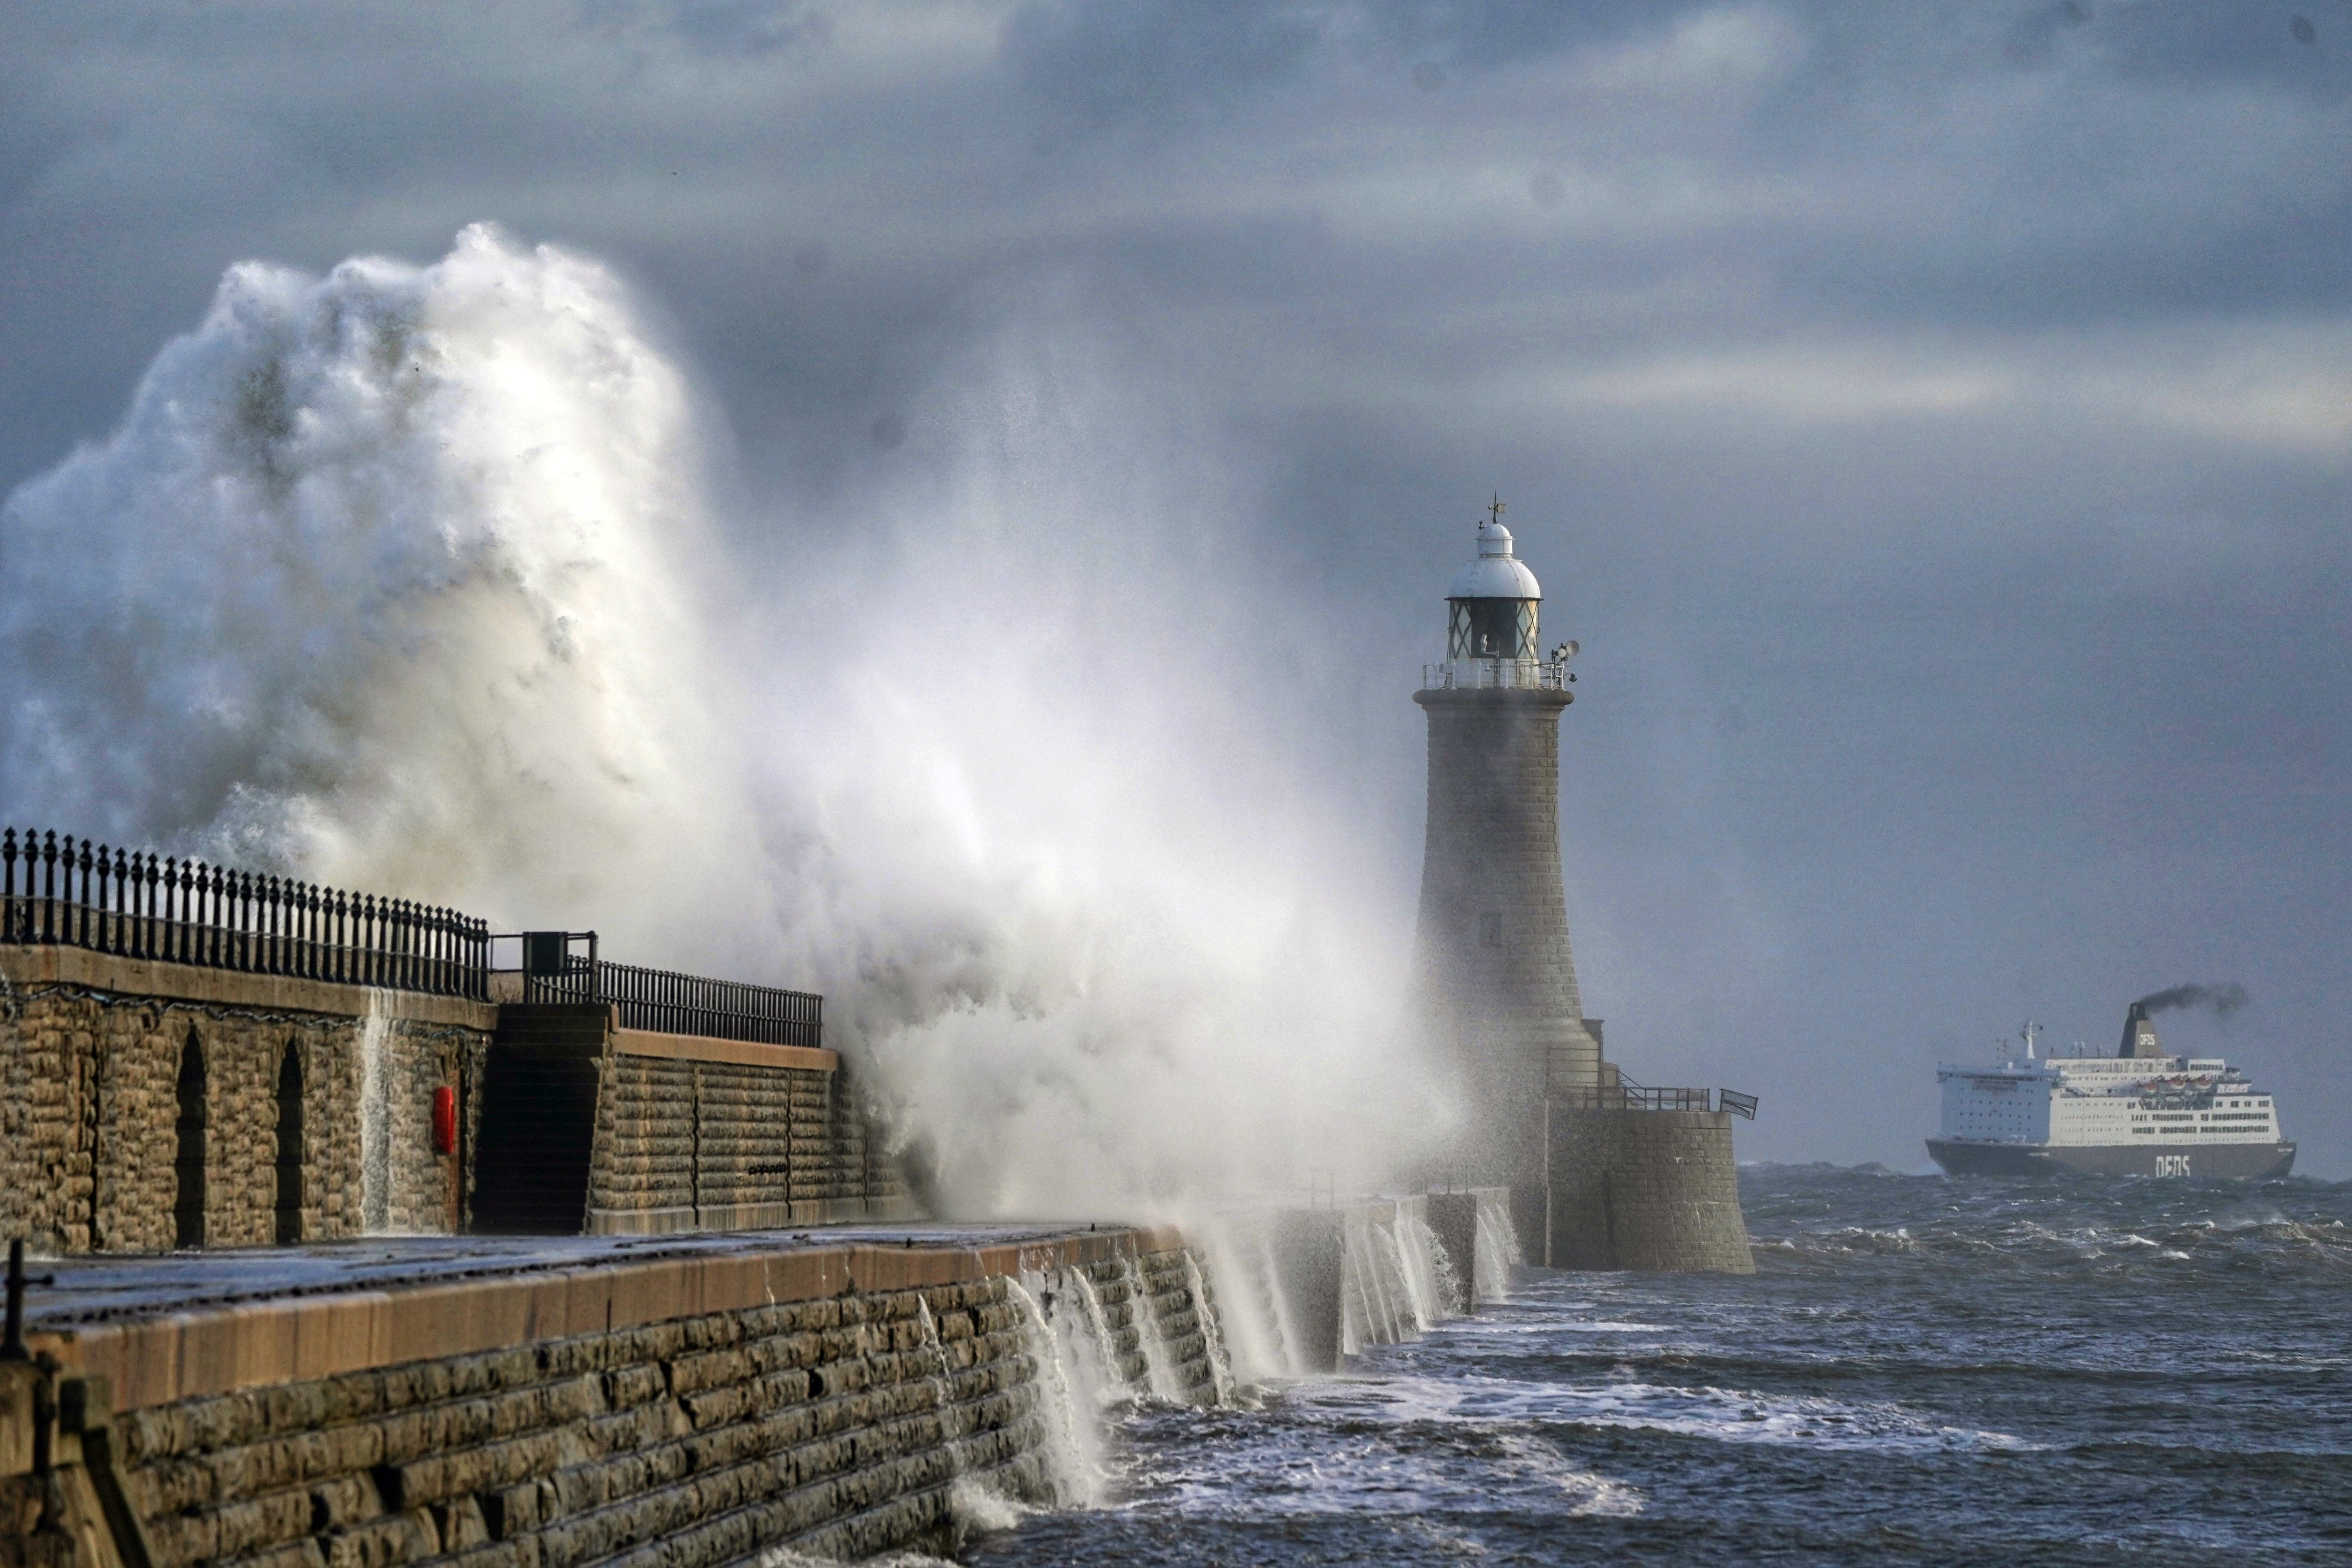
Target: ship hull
2212	1162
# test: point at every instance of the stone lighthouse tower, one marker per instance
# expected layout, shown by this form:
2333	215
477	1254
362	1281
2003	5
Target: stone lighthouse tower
1496	979
1603	1172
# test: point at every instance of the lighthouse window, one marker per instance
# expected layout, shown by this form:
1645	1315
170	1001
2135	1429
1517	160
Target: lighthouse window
1493	628
1490	929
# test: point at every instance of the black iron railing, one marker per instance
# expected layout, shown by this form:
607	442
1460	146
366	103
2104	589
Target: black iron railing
665	1001
69	892
1626	1095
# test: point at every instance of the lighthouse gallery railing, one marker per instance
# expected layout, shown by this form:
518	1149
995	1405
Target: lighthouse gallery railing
1495	675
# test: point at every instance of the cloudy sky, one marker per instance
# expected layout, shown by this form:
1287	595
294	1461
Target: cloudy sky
1933	420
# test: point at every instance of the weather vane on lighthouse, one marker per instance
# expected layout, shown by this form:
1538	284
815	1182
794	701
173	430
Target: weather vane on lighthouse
1496	510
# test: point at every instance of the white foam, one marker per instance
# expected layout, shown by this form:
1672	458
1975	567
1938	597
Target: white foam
1722	1414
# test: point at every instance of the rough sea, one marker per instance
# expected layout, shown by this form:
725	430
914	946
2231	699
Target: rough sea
1924	1370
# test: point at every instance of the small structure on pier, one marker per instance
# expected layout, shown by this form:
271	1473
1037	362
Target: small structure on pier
194	1056
1604	1174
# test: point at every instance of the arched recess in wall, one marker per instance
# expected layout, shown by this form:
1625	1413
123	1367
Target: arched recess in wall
188	1157
290	1145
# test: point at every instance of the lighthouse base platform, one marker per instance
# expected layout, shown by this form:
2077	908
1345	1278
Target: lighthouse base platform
1649	1190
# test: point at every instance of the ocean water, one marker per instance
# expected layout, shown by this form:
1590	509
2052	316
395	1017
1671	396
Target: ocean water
1924	1370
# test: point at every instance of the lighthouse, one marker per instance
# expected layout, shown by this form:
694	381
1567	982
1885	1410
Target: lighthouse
1604	1172
1496	978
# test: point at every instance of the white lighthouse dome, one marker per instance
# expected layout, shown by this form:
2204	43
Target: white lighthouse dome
1496	574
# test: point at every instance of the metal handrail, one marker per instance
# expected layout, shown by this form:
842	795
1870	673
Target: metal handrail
1496	674
69	892
1628	1096
667	1001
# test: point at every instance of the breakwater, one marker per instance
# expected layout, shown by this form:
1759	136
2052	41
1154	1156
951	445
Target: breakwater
836	1395
685	1401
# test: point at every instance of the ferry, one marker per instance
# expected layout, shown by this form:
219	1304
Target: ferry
2137	1113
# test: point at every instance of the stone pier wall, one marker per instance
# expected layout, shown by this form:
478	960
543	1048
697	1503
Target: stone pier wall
1645	1190
99	1144
145	1105
698	1440
730	1145
703	1134
841	1417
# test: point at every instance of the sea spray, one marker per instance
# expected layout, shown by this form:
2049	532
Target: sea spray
408	578
1143	1312
1073	1444
1220	1366
1292	1359
1447	1290
375	1118
1497	1249
1113	1386
396	588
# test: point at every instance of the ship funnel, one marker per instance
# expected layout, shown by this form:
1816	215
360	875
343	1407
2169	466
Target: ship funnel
2139	1034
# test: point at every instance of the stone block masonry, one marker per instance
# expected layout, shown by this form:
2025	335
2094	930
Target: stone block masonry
1496	975
146	1105
1645	1190
697	1440
623	1131
833	1400
724	1146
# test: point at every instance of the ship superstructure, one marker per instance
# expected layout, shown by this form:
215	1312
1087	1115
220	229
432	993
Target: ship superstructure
2137	1113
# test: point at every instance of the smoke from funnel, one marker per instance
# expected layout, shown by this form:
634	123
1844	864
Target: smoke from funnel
2225	998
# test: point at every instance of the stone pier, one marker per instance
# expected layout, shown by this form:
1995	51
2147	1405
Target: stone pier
696	1402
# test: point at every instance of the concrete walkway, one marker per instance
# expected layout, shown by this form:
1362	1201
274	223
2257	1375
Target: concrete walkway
114	1289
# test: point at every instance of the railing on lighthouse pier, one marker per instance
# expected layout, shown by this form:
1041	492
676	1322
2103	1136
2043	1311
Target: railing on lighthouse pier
58	890
563	966
63	892
1626	1095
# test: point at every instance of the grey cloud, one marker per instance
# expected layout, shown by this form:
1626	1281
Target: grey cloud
1953	392
1158	61
721	27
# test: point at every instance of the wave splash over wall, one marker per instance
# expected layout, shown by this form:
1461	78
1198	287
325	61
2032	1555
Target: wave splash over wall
408	578
378	583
